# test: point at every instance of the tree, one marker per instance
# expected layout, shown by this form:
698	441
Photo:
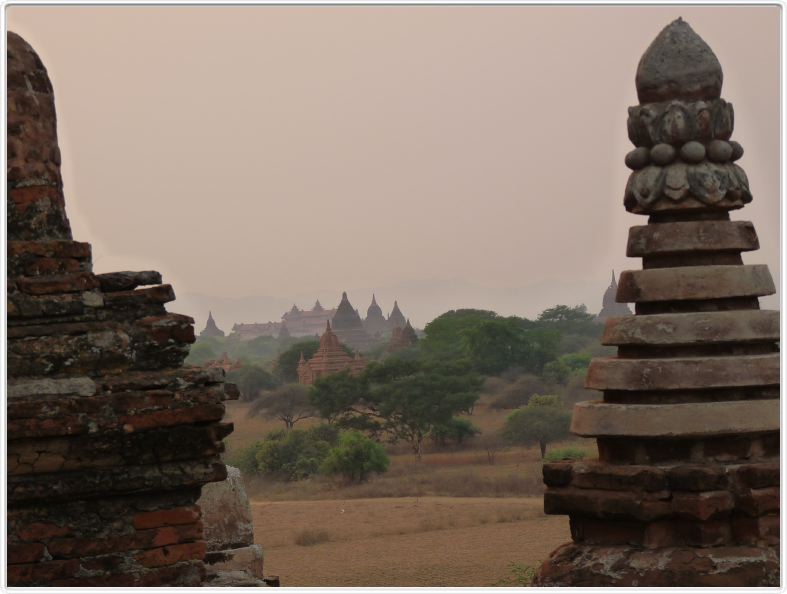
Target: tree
289	403
412	399
292	455
200	353
455	430
564	313
542	421
286	366
251	380
401	397
356	457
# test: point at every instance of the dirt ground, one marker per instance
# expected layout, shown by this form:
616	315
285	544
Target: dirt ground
404	541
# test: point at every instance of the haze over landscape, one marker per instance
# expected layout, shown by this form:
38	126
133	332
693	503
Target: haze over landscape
442	156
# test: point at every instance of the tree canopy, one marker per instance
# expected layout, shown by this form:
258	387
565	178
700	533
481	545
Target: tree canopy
542	421
289	403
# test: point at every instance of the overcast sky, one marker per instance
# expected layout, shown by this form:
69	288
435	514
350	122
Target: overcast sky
294	152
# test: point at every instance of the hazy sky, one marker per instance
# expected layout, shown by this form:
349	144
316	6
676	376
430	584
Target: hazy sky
295	152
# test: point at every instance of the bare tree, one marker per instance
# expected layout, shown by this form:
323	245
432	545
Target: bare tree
288	403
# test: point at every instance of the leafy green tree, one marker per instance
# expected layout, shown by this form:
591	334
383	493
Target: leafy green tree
411	398
339	396
564	313
400	397
292	455
289	403
200	353
251	380
455	430
542	421
356	457
444	336
286	366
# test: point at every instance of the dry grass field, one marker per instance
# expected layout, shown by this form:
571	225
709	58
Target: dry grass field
452	520
404	541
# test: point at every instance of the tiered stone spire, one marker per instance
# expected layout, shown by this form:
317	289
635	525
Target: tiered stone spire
685	491
211	329
609	306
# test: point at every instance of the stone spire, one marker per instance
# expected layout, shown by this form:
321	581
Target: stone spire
375	323
329	358
348	326
318	306
396	319
609	306
211	329
685	491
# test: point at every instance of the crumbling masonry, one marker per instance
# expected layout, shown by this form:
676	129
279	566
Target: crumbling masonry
685	491
109	439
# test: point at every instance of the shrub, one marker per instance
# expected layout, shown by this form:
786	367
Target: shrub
565	454
355	457
293	455
519	575
245	459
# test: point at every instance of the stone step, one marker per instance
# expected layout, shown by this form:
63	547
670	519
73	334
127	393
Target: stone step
744	326
687	237
695	419
694	282
686	373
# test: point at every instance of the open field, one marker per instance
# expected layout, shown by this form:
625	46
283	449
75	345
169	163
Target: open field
404	541
452	520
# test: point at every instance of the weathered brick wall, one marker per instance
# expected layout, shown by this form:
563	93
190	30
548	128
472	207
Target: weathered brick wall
109	438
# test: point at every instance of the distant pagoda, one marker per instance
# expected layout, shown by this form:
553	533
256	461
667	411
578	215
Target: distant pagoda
348	326
396	318
402	338
302	322
375	323
211	329
329	358
610	308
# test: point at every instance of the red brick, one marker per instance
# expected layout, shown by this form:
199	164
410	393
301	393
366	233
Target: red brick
38	531
757	502
170	555
556	474
168	535
167	517
25	552
606	532
754	531
702	506
662	534
41	573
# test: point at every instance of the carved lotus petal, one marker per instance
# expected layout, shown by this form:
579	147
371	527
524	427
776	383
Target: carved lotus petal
645	185
676	182
723	120
676	124
708	182
737	173
704	121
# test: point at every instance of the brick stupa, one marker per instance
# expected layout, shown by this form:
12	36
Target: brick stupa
109	438
685	491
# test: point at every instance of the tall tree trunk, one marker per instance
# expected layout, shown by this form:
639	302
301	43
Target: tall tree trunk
543	446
